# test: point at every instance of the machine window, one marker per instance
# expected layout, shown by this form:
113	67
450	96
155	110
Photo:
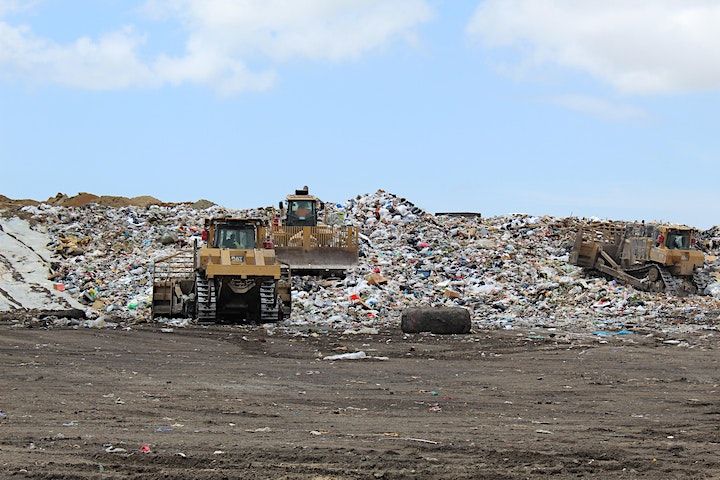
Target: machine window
229	237
302	209
678	240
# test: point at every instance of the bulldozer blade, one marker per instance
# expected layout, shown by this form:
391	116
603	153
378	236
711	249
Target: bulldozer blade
325	260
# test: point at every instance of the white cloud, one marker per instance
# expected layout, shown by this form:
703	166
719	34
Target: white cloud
10	6
599	107
638	46
284	29
223	38
106	63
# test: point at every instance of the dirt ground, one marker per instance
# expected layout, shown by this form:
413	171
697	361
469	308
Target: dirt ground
232	402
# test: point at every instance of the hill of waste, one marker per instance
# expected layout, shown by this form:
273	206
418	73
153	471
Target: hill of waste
510	271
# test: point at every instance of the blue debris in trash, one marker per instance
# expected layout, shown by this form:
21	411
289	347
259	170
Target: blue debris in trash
3	414
605	333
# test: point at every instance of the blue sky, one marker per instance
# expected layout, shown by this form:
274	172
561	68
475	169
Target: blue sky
548	107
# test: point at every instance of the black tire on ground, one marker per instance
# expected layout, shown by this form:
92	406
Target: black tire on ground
440	320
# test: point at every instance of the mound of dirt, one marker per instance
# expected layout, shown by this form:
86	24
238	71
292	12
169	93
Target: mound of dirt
114	201
145	201
84	198
202	204
79	200
6	202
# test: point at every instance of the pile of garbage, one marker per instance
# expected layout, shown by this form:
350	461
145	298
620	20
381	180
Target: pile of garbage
103	255
510	271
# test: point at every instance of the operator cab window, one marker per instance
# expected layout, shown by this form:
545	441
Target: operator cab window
678	240
302	209
236	237
301	213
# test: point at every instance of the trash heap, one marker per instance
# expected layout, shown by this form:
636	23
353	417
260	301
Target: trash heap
104	255
510	271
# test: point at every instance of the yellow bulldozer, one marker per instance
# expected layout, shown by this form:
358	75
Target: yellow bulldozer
659	258
311	246
234	277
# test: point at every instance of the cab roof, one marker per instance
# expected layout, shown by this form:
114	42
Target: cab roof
302	197
672	226
235	220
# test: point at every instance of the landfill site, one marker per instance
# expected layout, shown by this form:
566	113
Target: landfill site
352	338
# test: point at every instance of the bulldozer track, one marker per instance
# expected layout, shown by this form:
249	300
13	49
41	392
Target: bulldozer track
269	302
638	269
206	299
671	283
286	276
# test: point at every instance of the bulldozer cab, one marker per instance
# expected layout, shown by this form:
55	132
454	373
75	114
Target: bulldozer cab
232	233
301	213
301	209
676	247
674	237
307	243
235	236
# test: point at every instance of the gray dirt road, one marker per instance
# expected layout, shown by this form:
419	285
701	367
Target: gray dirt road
236	403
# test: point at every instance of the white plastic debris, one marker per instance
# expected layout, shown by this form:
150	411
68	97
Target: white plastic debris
111	449
347	356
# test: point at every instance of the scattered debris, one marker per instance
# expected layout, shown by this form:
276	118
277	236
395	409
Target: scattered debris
260	430
347	356
112	449
410	439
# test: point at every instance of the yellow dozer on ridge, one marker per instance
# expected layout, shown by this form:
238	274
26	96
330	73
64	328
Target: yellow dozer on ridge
659	258
235	277
308	245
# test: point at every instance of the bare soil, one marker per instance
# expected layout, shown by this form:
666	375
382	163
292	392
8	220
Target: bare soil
232	402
